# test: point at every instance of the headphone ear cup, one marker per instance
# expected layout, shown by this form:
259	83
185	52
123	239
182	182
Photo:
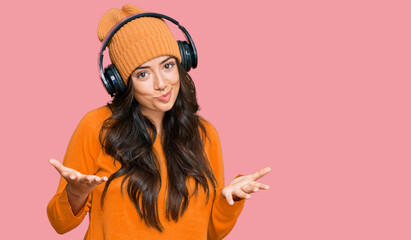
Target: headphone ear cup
115	84
188	57
107	81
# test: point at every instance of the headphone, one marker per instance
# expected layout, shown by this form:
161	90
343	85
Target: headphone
111	77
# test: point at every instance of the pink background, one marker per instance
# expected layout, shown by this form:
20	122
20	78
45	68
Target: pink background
318	90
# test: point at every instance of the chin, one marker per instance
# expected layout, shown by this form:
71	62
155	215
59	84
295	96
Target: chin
167	108
169	105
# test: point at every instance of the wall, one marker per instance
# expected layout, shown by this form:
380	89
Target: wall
318	90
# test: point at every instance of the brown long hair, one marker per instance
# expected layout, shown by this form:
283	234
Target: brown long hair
128	136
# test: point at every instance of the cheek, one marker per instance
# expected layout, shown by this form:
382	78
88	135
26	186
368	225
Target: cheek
141	91
177	84
175	80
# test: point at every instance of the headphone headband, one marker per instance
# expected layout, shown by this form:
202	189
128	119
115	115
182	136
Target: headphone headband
192	51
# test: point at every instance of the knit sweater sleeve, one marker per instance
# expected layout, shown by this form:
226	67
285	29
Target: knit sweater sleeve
223	216
82	150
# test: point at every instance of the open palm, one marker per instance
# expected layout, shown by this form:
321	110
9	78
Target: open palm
243	186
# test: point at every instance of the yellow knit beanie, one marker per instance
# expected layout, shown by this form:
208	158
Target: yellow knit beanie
138	41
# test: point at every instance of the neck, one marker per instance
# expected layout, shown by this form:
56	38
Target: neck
156	117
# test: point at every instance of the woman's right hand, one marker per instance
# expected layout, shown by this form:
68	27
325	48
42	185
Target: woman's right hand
78	186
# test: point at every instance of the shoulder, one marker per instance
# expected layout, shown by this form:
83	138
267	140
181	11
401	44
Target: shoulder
97	116
210	130
93	120
209	127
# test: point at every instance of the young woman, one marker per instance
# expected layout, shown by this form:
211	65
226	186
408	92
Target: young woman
146	166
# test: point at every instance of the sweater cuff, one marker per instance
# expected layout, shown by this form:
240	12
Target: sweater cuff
67	211
222	206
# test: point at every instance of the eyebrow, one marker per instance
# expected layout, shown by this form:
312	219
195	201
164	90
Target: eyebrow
142	67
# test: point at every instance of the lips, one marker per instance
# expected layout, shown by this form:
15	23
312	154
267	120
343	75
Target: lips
164	97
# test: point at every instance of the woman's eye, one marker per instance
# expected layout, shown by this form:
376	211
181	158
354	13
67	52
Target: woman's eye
168	65
142	75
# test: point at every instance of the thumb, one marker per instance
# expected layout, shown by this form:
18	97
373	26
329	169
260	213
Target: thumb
56	164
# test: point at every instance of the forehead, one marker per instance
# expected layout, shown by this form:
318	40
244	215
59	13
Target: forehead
156	61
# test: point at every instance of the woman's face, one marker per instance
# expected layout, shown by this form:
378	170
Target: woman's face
156	84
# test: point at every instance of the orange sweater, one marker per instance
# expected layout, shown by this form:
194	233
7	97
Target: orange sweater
119	218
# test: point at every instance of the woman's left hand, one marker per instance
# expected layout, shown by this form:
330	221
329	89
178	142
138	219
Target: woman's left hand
241	187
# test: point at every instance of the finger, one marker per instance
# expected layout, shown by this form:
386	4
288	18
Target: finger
70	176
229	199
98	180
252	188
102	180
260	173
73	176
84	179
264	186
241	194
56	164
228	196
65	172
249	187
259	185
91	180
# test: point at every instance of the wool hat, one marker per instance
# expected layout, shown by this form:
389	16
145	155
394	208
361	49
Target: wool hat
138	41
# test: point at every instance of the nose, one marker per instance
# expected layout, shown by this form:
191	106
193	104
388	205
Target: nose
160	82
